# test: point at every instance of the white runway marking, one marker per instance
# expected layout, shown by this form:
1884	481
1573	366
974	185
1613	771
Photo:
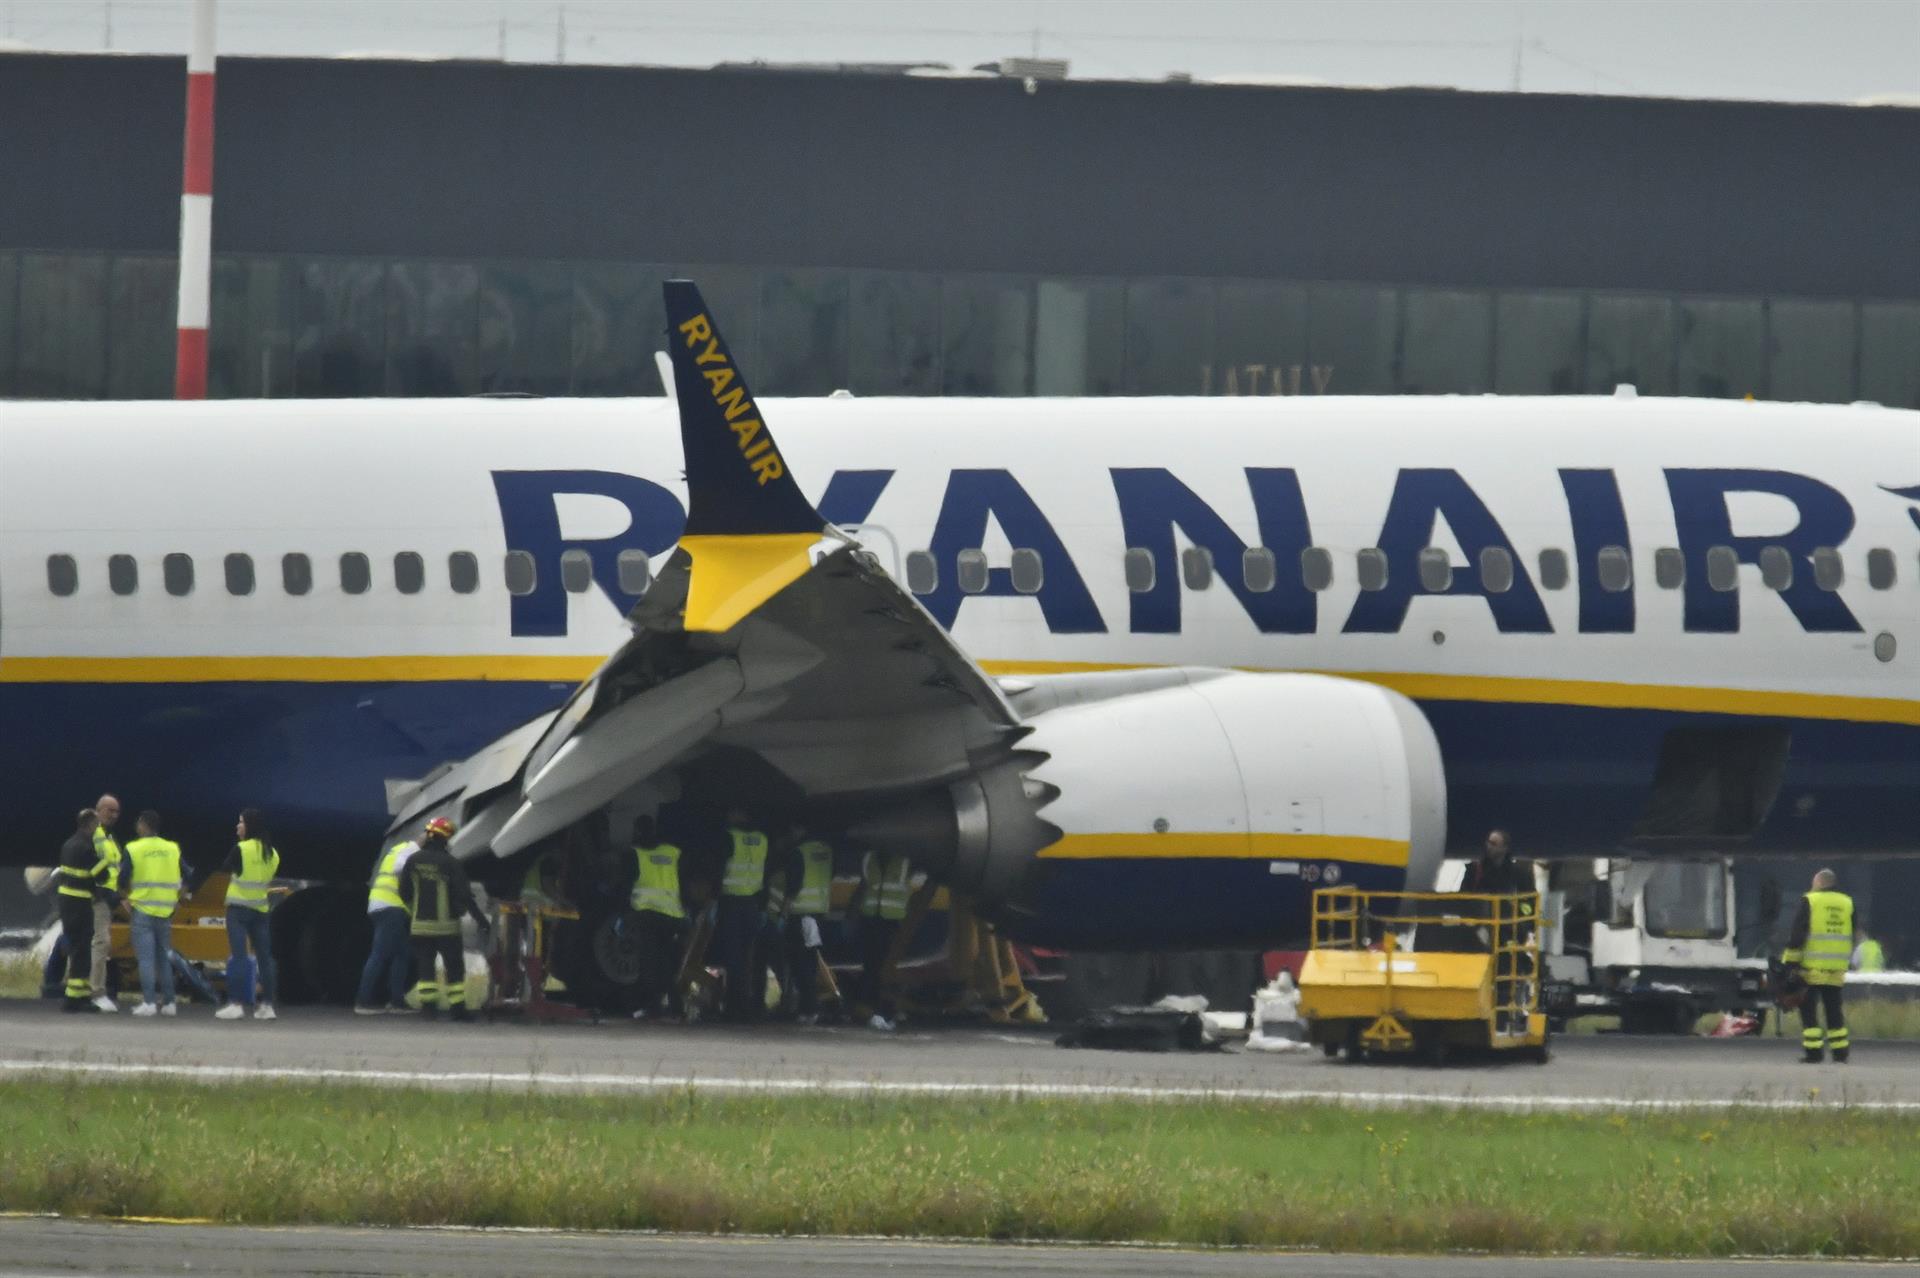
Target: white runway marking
536	1080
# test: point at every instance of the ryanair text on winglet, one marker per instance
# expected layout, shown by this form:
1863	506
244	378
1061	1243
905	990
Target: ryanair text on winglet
753	441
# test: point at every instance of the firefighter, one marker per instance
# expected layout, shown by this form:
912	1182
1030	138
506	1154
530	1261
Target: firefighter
1820	946
82	870
660	919
741	911
435	888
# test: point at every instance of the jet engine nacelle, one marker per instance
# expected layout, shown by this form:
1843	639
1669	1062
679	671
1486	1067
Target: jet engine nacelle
1187	808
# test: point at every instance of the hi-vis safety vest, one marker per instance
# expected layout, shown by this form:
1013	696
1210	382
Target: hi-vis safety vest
888	887
1829	945
816	878
657	887
747	865
386	880
155	887
109	850
258	866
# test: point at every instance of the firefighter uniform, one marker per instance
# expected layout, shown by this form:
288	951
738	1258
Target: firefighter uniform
437	894
83	870
1821	944
741	916
660	922
886	885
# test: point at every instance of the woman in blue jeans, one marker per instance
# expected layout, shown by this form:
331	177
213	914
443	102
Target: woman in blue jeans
253	863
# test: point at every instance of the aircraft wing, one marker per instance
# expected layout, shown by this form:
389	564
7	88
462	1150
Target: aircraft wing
770	645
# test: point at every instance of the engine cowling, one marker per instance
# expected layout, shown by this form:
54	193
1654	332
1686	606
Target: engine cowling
1187	808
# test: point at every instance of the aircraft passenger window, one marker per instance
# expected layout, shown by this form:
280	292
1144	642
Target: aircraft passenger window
356	573
1553	569
1258	569
463	572
1776	568
123	574
1436	573
1140	569
1496	570
923	572
1723	568
409	572
1316	567
1373	568
1827	570
239	570
971	567
63	575
576	571
1616	569
1669	568
296	574
1196	567
636	572
176	570
521	575
1027	571
1880	569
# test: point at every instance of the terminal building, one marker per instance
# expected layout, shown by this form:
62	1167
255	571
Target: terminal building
456	228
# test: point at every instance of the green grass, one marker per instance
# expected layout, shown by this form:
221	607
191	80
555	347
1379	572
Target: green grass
1835	1183
19	975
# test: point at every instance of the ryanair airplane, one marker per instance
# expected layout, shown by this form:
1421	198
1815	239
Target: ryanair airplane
1130	673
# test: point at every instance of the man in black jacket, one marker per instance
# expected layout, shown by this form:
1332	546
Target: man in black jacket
1496	873
82	876
437	893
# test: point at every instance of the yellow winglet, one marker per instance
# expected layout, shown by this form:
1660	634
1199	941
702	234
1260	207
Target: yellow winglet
734	574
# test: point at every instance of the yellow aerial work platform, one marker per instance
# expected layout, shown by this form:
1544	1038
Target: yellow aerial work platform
1425	973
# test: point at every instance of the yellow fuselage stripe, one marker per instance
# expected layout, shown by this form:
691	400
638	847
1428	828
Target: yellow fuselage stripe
1357	849
573	669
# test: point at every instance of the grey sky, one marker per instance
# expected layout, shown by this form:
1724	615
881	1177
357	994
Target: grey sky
1788	50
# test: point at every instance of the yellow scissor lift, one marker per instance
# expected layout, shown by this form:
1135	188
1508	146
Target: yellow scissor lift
1471	979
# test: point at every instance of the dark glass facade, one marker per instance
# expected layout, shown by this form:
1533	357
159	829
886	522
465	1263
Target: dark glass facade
400	228
100	326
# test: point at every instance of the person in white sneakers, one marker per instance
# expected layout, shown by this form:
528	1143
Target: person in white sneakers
153	891
253	863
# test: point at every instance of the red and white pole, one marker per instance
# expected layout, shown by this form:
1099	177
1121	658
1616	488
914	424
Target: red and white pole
196	213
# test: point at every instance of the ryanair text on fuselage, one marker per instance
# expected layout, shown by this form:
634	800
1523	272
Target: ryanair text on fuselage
1156	509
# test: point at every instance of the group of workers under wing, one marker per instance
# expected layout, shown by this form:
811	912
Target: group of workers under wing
710	915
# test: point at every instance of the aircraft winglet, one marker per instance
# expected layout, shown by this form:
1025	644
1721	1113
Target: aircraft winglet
749	527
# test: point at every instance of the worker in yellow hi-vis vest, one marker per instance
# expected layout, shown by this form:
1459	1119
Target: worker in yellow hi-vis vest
154	887
880	903
1820	947
742	889
106	893
253	864
659	918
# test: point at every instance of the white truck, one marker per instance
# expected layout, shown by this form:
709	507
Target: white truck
1655	943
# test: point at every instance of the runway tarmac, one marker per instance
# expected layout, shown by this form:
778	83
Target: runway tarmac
1600	1071
66	1247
